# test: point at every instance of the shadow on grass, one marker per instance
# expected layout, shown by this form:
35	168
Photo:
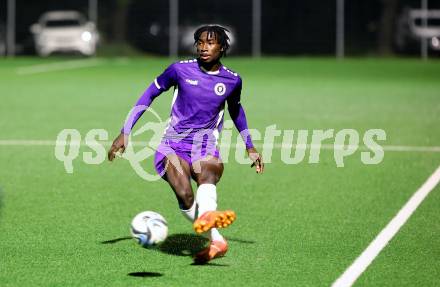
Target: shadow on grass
145	274
116	240
238	240
183	244
212	264
175	244
188	242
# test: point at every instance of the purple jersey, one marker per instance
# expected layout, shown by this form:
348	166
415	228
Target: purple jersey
198	103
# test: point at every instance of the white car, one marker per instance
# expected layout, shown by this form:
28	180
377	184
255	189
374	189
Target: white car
411	29
64	31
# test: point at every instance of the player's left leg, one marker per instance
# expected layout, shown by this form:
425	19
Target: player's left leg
210	172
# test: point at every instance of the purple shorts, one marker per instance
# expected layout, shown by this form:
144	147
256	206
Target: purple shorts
187	151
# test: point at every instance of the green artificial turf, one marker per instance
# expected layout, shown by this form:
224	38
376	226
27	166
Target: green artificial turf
297	225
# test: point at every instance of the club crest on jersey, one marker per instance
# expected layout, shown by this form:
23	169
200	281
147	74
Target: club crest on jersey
220	89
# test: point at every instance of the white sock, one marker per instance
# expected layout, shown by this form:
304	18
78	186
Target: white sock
190	213
206	198
214	235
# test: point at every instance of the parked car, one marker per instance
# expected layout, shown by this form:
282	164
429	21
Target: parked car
64	31
411	29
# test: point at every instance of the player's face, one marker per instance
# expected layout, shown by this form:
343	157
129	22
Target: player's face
208	48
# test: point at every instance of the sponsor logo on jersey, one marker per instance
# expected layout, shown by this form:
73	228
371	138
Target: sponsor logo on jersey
220	89
192	82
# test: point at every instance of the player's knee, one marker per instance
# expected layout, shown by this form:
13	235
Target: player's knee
211	178
210	173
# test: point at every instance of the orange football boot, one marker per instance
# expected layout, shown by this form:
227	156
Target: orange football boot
215	250
213	219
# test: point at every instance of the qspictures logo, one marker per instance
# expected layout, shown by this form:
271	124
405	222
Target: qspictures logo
295	146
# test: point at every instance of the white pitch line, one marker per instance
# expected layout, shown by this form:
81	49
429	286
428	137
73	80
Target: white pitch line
392	148
57	66
364	260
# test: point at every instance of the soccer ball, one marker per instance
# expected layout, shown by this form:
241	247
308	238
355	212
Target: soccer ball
149	228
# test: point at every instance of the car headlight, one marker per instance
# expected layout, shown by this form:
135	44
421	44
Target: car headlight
86	36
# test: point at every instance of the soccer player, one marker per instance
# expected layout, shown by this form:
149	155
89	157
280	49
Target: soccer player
189	146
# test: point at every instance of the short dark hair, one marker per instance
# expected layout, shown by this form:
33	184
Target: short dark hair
218	32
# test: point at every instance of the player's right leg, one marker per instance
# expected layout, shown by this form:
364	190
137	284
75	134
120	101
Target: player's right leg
178	175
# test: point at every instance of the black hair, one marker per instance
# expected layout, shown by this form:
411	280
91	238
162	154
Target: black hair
216	31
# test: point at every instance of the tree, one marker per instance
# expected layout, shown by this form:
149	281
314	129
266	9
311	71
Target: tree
386	26
120	20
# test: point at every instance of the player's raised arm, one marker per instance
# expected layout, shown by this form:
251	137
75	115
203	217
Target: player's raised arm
238	116
162	83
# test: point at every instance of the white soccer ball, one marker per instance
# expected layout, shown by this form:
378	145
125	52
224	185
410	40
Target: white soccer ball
149	228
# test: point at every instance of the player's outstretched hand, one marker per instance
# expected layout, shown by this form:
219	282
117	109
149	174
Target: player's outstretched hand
118	146
257	160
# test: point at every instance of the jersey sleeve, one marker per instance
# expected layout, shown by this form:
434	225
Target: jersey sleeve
238	115
167	79
162	83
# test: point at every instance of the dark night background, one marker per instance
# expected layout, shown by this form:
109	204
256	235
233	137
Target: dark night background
288	27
